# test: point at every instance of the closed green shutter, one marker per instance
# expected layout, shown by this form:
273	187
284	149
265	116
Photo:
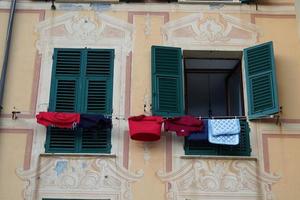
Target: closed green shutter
199	148
243	148
98	97
64	98
81	83
61	140
261	81
96	140
206	148
65	80
167	84
99	78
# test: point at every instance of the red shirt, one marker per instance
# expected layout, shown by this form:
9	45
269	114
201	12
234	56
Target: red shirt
183	126
58	119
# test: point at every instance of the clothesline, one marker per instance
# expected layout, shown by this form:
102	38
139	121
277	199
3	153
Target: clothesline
122	117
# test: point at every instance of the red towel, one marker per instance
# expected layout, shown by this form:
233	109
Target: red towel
58	119
183	125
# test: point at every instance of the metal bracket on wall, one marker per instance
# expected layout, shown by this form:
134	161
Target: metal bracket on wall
53	7
14	113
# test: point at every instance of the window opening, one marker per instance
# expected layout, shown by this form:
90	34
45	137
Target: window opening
213	84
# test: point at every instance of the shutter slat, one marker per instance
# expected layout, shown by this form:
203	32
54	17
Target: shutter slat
261	81
68	62
96	140
199	148
66	93
61	140
99	62
97	93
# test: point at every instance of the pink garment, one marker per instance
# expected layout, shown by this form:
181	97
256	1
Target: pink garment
58	119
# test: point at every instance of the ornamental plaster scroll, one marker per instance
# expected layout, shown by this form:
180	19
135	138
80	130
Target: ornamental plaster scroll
76	30
219	180
204	32
78	177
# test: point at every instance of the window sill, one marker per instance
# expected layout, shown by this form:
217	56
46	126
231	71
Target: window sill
78	155
219	157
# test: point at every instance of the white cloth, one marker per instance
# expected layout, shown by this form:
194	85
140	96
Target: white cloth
225	126
223	136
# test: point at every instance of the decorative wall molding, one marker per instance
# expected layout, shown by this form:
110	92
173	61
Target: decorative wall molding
78	177
73	29
200	31
219	180
77	30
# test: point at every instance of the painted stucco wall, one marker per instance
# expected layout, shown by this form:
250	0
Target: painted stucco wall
137	170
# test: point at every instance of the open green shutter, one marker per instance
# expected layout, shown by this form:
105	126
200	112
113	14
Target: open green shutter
243	148
261	81
167	84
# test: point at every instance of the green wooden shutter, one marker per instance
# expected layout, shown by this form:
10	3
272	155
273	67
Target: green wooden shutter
65	80
98	97
65	89
199	148
206	148
261	81
61	140
82	83
243	148
98	82
167	83
96	140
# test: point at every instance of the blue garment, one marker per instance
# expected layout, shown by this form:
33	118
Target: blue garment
201	135
94	121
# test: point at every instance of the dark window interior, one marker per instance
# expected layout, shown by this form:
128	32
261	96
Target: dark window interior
213	86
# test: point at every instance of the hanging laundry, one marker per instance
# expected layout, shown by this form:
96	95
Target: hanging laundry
183	126
94	121
58	119
225	126
227	135
201	135
145	128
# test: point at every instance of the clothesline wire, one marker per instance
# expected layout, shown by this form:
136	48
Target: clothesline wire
121	117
